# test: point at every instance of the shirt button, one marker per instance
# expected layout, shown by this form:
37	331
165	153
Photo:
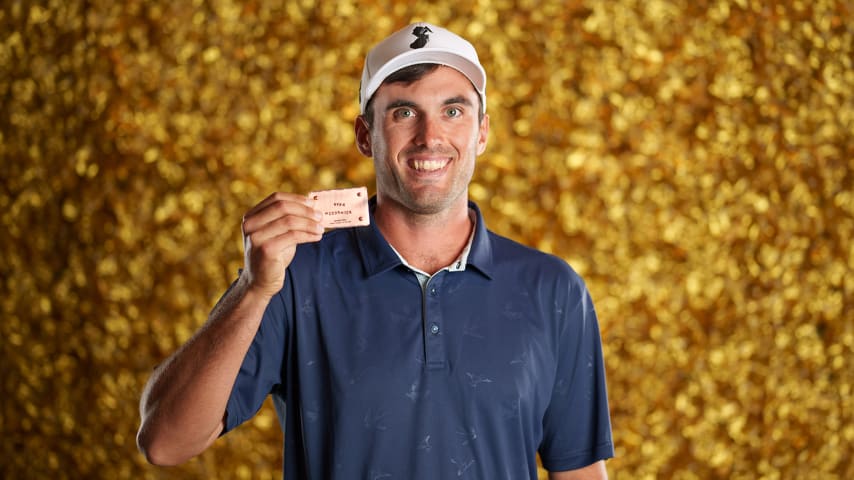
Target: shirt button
434	329
433	291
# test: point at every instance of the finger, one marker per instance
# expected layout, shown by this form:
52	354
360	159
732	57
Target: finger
277	210
295	237
279	197
274	248
283	225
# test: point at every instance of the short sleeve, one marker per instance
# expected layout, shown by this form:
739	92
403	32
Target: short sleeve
577	423
262	369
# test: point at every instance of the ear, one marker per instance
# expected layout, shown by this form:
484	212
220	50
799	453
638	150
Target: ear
363	136
483	135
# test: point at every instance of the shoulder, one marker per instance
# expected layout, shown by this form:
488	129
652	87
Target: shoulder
530	275
512	256
342	240
335	248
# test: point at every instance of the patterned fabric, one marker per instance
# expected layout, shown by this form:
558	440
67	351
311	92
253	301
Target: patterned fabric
469	377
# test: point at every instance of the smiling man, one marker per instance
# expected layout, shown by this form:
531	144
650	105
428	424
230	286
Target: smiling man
421	346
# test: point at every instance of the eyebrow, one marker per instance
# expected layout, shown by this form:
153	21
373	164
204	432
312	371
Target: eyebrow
400	103
459	99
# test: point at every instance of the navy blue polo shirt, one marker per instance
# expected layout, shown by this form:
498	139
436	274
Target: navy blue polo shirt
375	377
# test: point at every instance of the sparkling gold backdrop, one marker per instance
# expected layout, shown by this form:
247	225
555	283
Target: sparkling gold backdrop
692	159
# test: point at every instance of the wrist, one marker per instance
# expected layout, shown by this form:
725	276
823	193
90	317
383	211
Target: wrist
250	290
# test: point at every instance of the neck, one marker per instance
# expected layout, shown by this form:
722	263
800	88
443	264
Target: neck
427	242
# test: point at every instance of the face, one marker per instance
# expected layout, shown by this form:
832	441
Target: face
424	141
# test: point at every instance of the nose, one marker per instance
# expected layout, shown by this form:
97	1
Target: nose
429	131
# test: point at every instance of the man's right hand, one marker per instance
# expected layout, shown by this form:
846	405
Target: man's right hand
183	405
271	231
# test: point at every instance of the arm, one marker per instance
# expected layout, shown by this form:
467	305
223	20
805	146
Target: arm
183	404
594	471
577	425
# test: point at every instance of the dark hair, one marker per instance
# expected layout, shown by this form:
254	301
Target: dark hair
408	75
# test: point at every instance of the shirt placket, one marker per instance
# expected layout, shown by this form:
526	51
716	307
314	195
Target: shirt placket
433	324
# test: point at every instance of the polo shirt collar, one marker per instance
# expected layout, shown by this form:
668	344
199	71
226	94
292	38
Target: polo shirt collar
378	256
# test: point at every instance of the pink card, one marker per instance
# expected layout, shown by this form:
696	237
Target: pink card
344	207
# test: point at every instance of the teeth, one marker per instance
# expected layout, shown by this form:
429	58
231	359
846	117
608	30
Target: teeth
428	165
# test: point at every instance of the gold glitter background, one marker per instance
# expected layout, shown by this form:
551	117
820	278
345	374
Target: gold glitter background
692	159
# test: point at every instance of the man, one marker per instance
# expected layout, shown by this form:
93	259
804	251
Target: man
421	346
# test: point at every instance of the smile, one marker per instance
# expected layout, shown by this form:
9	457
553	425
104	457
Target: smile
428	165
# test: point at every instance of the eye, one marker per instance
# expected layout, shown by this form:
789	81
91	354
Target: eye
453	112
404	113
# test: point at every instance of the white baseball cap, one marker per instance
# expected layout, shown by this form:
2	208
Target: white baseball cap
420	43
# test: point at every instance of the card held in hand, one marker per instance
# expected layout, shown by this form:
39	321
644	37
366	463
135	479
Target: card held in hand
343	207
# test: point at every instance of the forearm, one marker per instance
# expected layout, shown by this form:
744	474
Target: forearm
184	401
